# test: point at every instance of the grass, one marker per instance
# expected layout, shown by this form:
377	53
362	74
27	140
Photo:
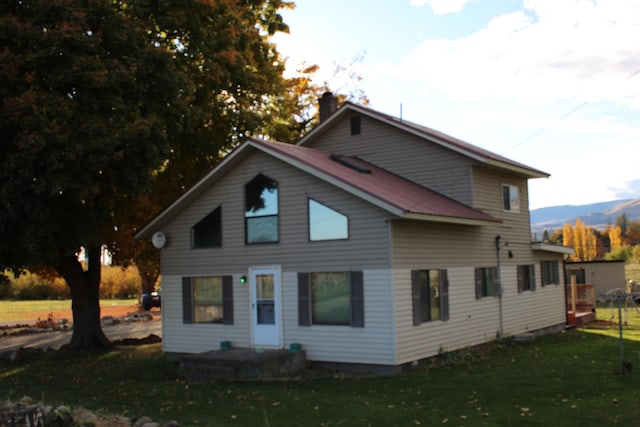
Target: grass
568	379
11	311
632	271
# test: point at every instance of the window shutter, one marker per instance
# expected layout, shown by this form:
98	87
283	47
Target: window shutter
357	299
520	277
479	283
416	295
187	300
227	300
444	295
495	282
532	277
304	300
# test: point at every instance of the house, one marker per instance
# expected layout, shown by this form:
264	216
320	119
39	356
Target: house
372	241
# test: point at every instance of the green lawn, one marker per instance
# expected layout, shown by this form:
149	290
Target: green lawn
632	271
568	379
18	310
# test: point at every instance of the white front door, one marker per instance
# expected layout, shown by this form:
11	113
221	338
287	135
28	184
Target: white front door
265	307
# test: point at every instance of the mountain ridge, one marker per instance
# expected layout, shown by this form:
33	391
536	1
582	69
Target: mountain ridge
596	215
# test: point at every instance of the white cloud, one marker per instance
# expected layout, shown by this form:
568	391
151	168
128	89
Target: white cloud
442	7
569	49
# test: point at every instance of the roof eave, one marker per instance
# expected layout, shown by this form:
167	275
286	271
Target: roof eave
547	247
449	219
528	172
194	191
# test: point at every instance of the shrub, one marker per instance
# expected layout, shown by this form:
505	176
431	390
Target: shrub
30	286
118	282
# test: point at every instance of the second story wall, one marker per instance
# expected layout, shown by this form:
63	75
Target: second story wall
402	153
366	247
488	191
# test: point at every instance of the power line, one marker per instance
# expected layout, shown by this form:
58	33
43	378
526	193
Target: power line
561	118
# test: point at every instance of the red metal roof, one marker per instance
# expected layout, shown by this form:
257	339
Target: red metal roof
375	184
432	135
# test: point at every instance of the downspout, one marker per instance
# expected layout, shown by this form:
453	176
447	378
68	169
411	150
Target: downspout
499	280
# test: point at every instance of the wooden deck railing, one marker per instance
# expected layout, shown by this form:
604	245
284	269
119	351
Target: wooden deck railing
581	297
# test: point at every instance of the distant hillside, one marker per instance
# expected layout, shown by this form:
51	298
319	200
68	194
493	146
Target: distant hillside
597	215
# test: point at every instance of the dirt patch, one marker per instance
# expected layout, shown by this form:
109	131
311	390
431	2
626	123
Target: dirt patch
113	311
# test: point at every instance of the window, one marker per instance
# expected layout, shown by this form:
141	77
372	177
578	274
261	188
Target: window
331	298
430	292
355	125
550	272
580	273
208	232
325	223
510	198
526	278
261	211
207	299
486	282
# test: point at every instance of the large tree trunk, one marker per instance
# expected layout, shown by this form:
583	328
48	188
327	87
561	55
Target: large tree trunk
85	301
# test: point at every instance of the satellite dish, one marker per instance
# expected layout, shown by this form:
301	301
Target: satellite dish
159	239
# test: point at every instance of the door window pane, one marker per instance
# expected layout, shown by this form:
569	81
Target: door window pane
265	299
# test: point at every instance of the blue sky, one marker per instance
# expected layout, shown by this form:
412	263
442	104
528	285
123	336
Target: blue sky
554	84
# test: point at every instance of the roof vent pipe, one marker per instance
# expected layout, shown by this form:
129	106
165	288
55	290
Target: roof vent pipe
327	104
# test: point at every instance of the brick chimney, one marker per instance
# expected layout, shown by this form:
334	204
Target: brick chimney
327	104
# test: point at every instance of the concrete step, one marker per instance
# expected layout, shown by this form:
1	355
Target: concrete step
242	364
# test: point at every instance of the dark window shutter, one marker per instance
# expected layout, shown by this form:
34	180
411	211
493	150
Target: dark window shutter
416	291
227	300
355	125
520	277
187	300
532	277
479	277
444	294
304	300
357	299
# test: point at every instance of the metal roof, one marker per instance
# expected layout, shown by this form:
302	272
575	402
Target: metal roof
477	153
393	193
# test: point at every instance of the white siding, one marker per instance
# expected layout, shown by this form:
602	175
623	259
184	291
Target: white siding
179	337
372	344
473	321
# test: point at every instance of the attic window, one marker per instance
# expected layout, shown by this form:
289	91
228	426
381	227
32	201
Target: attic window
261	212
355	125
207	233
344	161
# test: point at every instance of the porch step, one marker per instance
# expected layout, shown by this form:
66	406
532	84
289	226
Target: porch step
585	317
238	363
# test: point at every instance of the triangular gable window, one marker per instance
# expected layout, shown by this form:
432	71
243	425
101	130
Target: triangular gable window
326	223
208	232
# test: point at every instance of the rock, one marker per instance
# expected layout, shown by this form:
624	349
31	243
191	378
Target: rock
172	423
141	421
151	424
83	417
